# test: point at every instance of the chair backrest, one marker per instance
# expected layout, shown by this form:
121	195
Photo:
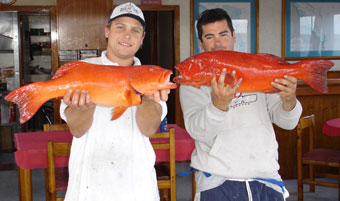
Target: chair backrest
55	149
306	122
55	127
170	145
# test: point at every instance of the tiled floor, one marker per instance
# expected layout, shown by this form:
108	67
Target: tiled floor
9	186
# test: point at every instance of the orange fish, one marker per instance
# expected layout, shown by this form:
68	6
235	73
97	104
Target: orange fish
108	85
256	70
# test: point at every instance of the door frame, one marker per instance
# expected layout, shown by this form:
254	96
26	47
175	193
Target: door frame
175	9
36	10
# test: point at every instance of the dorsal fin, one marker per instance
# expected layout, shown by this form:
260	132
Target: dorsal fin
65	68
274	58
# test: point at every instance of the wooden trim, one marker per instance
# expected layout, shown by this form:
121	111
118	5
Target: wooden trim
305	90
321	163
35	9
319	183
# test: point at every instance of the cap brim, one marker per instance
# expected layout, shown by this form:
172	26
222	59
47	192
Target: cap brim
129	15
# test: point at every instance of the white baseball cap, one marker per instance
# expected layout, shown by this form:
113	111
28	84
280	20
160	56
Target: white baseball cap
128	10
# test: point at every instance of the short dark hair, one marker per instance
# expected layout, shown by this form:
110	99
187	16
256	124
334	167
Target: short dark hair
213	15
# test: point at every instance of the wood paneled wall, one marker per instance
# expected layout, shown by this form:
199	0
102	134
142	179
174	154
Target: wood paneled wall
325	107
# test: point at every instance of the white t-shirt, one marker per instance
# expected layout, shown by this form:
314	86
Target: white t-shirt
113	160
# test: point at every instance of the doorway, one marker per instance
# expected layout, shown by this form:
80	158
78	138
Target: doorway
161	45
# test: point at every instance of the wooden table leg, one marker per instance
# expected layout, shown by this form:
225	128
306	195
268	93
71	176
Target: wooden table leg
25	184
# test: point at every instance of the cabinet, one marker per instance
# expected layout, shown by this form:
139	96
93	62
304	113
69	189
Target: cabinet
81	23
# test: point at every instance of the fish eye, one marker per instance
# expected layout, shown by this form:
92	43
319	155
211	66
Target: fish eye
151	69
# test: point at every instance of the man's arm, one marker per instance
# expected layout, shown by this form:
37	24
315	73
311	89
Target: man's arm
149	112
79	112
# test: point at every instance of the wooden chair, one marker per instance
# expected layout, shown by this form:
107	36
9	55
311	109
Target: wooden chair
55	127
62	173
56	149
314	157
166	171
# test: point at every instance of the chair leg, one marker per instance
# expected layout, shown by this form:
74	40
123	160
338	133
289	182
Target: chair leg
299	182
339	184
193	185
53	196
164	194
312	177
46	185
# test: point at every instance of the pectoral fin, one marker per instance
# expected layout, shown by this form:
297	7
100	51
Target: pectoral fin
117	112
131	98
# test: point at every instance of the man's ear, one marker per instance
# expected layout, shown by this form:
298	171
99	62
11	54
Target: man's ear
141	42
200	43
106	32
234	36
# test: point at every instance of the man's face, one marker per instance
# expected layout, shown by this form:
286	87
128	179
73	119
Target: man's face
125	36
217	36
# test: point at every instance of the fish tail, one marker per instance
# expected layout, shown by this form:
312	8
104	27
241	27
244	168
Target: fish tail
316	73
28	98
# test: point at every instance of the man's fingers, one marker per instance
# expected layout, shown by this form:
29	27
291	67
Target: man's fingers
75	98
164	94
82	98
222	77
67	97
237	85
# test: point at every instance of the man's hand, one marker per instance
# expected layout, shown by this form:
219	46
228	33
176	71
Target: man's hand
148	115
79	100
222	94
161	95
287	87
79	112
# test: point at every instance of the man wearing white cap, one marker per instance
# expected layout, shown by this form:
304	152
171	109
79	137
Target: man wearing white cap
114	160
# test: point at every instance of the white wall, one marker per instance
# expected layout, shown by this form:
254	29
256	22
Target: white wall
269	24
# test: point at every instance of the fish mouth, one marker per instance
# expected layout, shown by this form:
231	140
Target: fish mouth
165	79
162	83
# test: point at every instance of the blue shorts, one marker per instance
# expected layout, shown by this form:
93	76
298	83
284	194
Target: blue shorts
237	191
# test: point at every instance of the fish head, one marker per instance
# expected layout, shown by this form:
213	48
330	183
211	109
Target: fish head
149	79
194	71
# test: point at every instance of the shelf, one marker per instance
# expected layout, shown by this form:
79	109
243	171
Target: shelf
37	39
9	124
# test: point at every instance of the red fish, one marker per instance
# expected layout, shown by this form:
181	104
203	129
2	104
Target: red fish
256	70
108	85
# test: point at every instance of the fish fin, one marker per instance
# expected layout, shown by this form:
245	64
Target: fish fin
274	58
316	73
131	97
66	68
29	99
117	112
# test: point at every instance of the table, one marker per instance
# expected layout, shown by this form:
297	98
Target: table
32	153
331	127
